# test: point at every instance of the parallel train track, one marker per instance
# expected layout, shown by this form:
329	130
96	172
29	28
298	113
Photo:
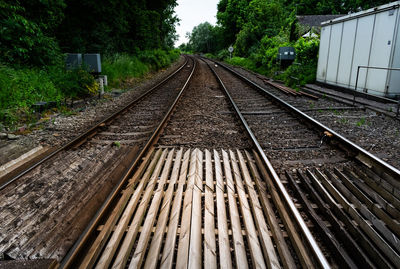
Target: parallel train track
340	185
46	206
301	196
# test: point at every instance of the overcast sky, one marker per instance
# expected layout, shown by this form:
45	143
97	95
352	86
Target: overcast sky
192	13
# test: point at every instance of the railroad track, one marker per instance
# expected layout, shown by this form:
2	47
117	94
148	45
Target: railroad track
46	206
168	209
193	201
350	196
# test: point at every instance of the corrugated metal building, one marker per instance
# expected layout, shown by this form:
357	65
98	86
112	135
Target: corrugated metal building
368	38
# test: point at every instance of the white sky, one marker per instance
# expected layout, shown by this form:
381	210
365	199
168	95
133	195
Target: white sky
192	13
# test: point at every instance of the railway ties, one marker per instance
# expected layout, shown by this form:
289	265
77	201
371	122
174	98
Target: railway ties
46	207
192	208
274	189
347	196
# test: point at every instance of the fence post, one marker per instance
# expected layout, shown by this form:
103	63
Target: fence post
355	90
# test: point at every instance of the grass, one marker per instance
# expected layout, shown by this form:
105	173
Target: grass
21	87
121	67
361	122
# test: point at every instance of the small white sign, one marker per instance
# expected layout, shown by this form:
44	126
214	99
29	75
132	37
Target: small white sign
230	49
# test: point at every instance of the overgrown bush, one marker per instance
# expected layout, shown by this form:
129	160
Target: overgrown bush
24	40
23	87
304	69
244	62
122	66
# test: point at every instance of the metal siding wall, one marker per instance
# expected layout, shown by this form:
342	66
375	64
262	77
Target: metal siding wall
380	52
323	53
346	52
334	51
362	51
394	82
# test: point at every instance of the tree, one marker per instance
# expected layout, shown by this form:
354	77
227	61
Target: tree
231	16
263	18
26	32
125	26
204	38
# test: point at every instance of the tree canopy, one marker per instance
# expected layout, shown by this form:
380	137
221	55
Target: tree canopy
244	23
34	32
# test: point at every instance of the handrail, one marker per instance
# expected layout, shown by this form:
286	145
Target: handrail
368	67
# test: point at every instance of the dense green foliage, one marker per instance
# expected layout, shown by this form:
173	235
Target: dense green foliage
22	87
117	26
204	38
257	28
313	7
27	32
35	32
134	37
121	67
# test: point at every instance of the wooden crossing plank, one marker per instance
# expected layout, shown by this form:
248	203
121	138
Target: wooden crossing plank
184	237
373	193
176	227
195	253
210	247
169	249
252	238
151	216
266	242
223	238
365	226
130	237
238	242
375	208
152	257
100	241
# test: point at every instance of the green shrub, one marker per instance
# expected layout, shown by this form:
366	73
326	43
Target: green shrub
243	62
304	69
123	66
23	87
223	54
24	41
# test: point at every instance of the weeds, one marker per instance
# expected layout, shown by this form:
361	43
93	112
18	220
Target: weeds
117	144
361	122
21	87
123	66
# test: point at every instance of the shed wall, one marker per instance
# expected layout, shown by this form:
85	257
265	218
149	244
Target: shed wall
346	52
369	40
394	76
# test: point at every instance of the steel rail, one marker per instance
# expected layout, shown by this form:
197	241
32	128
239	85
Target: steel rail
299	220
91	130
71	256
380	164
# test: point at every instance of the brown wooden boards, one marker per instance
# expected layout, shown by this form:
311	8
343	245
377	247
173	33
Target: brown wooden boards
192	209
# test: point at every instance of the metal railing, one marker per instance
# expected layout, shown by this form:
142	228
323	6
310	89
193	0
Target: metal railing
371	67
